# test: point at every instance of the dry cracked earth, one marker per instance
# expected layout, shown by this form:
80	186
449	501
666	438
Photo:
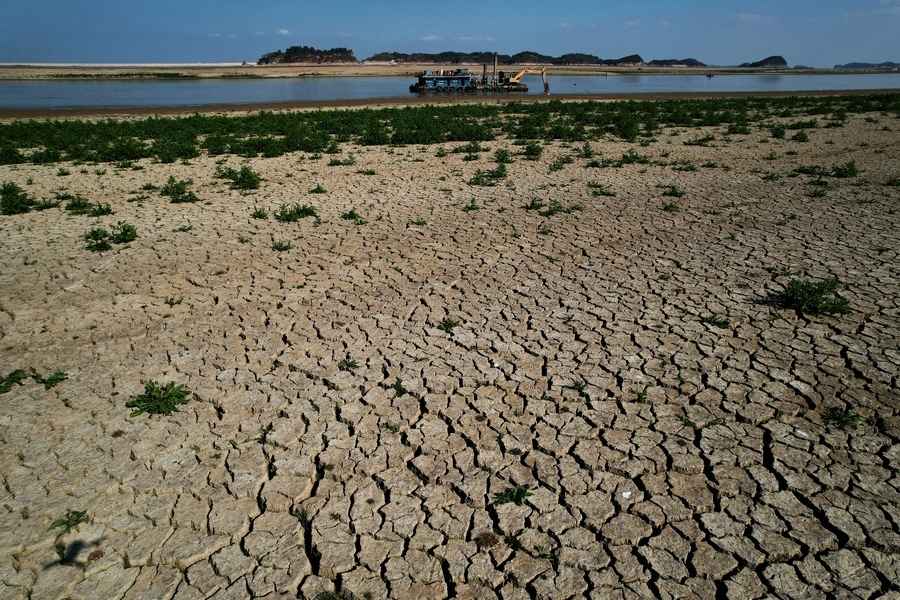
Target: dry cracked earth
365	404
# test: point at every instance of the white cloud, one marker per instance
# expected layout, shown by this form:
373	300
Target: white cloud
282	32
430	38
215	35
475	38
631	23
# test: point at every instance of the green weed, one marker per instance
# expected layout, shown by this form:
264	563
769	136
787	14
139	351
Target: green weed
515	495
812	297
158	399
289	213
69	522
281	245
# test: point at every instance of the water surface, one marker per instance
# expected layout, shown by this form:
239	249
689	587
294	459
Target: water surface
164	93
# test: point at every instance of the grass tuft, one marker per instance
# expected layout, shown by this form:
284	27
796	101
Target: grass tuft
159	399
812	297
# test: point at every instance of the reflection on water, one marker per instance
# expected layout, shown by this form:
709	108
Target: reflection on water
58	94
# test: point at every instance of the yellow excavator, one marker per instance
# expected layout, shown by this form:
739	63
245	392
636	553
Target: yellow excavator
517	78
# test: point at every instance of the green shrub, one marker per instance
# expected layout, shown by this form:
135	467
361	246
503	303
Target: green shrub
244	178
177	191
289	213
352	215
158	399
812	297
14	200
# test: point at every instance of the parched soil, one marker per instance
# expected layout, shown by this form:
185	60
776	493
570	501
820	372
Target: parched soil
461	397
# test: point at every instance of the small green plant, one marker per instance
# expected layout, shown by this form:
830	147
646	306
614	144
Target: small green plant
281	245
778	132
715	321
10	379
533	151
259	213
701	141
347	364
123	233
97	240
893	182
52	380
515	495
842	418
367	172
14	200
560	162
812	297
69	522
471	206
600	189
671	207
845	170
346	162
471	148
77	205
318	189
441	153
672	191
177	191
800	136
244	178
159	399
419	222
100	210
355	217
555	207
398	388
489	177
62	172
172	301
289	213
502	157
586	151
447	325
535	204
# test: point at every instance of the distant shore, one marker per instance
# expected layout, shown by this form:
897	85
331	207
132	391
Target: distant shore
236	70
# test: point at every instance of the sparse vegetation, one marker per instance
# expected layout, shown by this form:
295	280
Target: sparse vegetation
244	178
355	217
447	325
281	245
69	522
14	200
177	191
515	495
812	297
159	399
841	418
289	213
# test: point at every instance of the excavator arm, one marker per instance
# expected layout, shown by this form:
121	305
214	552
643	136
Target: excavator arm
518	76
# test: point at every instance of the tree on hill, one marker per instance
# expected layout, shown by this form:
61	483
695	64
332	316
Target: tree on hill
307	54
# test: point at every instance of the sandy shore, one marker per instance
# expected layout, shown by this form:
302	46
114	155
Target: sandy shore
567	385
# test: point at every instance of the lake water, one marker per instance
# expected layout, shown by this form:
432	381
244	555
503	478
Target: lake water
162	93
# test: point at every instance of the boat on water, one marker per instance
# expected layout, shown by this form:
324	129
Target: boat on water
445	80
462	81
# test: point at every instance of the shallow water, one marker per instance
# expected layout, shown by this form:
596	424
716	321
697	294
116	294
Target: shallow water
162	93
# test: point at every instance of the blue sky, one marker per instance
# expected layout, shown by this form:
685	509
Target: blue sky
809	32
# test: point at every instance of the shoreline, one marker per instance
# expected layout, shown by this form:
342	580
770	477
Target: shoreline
399	101
30	72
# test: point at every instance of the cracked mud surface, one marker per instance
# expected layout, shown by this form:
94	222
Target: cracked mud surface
665	456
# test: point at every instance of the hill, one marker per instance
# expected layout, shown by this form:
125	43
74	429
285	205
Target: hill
307	54
673	62
485	58
772	61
